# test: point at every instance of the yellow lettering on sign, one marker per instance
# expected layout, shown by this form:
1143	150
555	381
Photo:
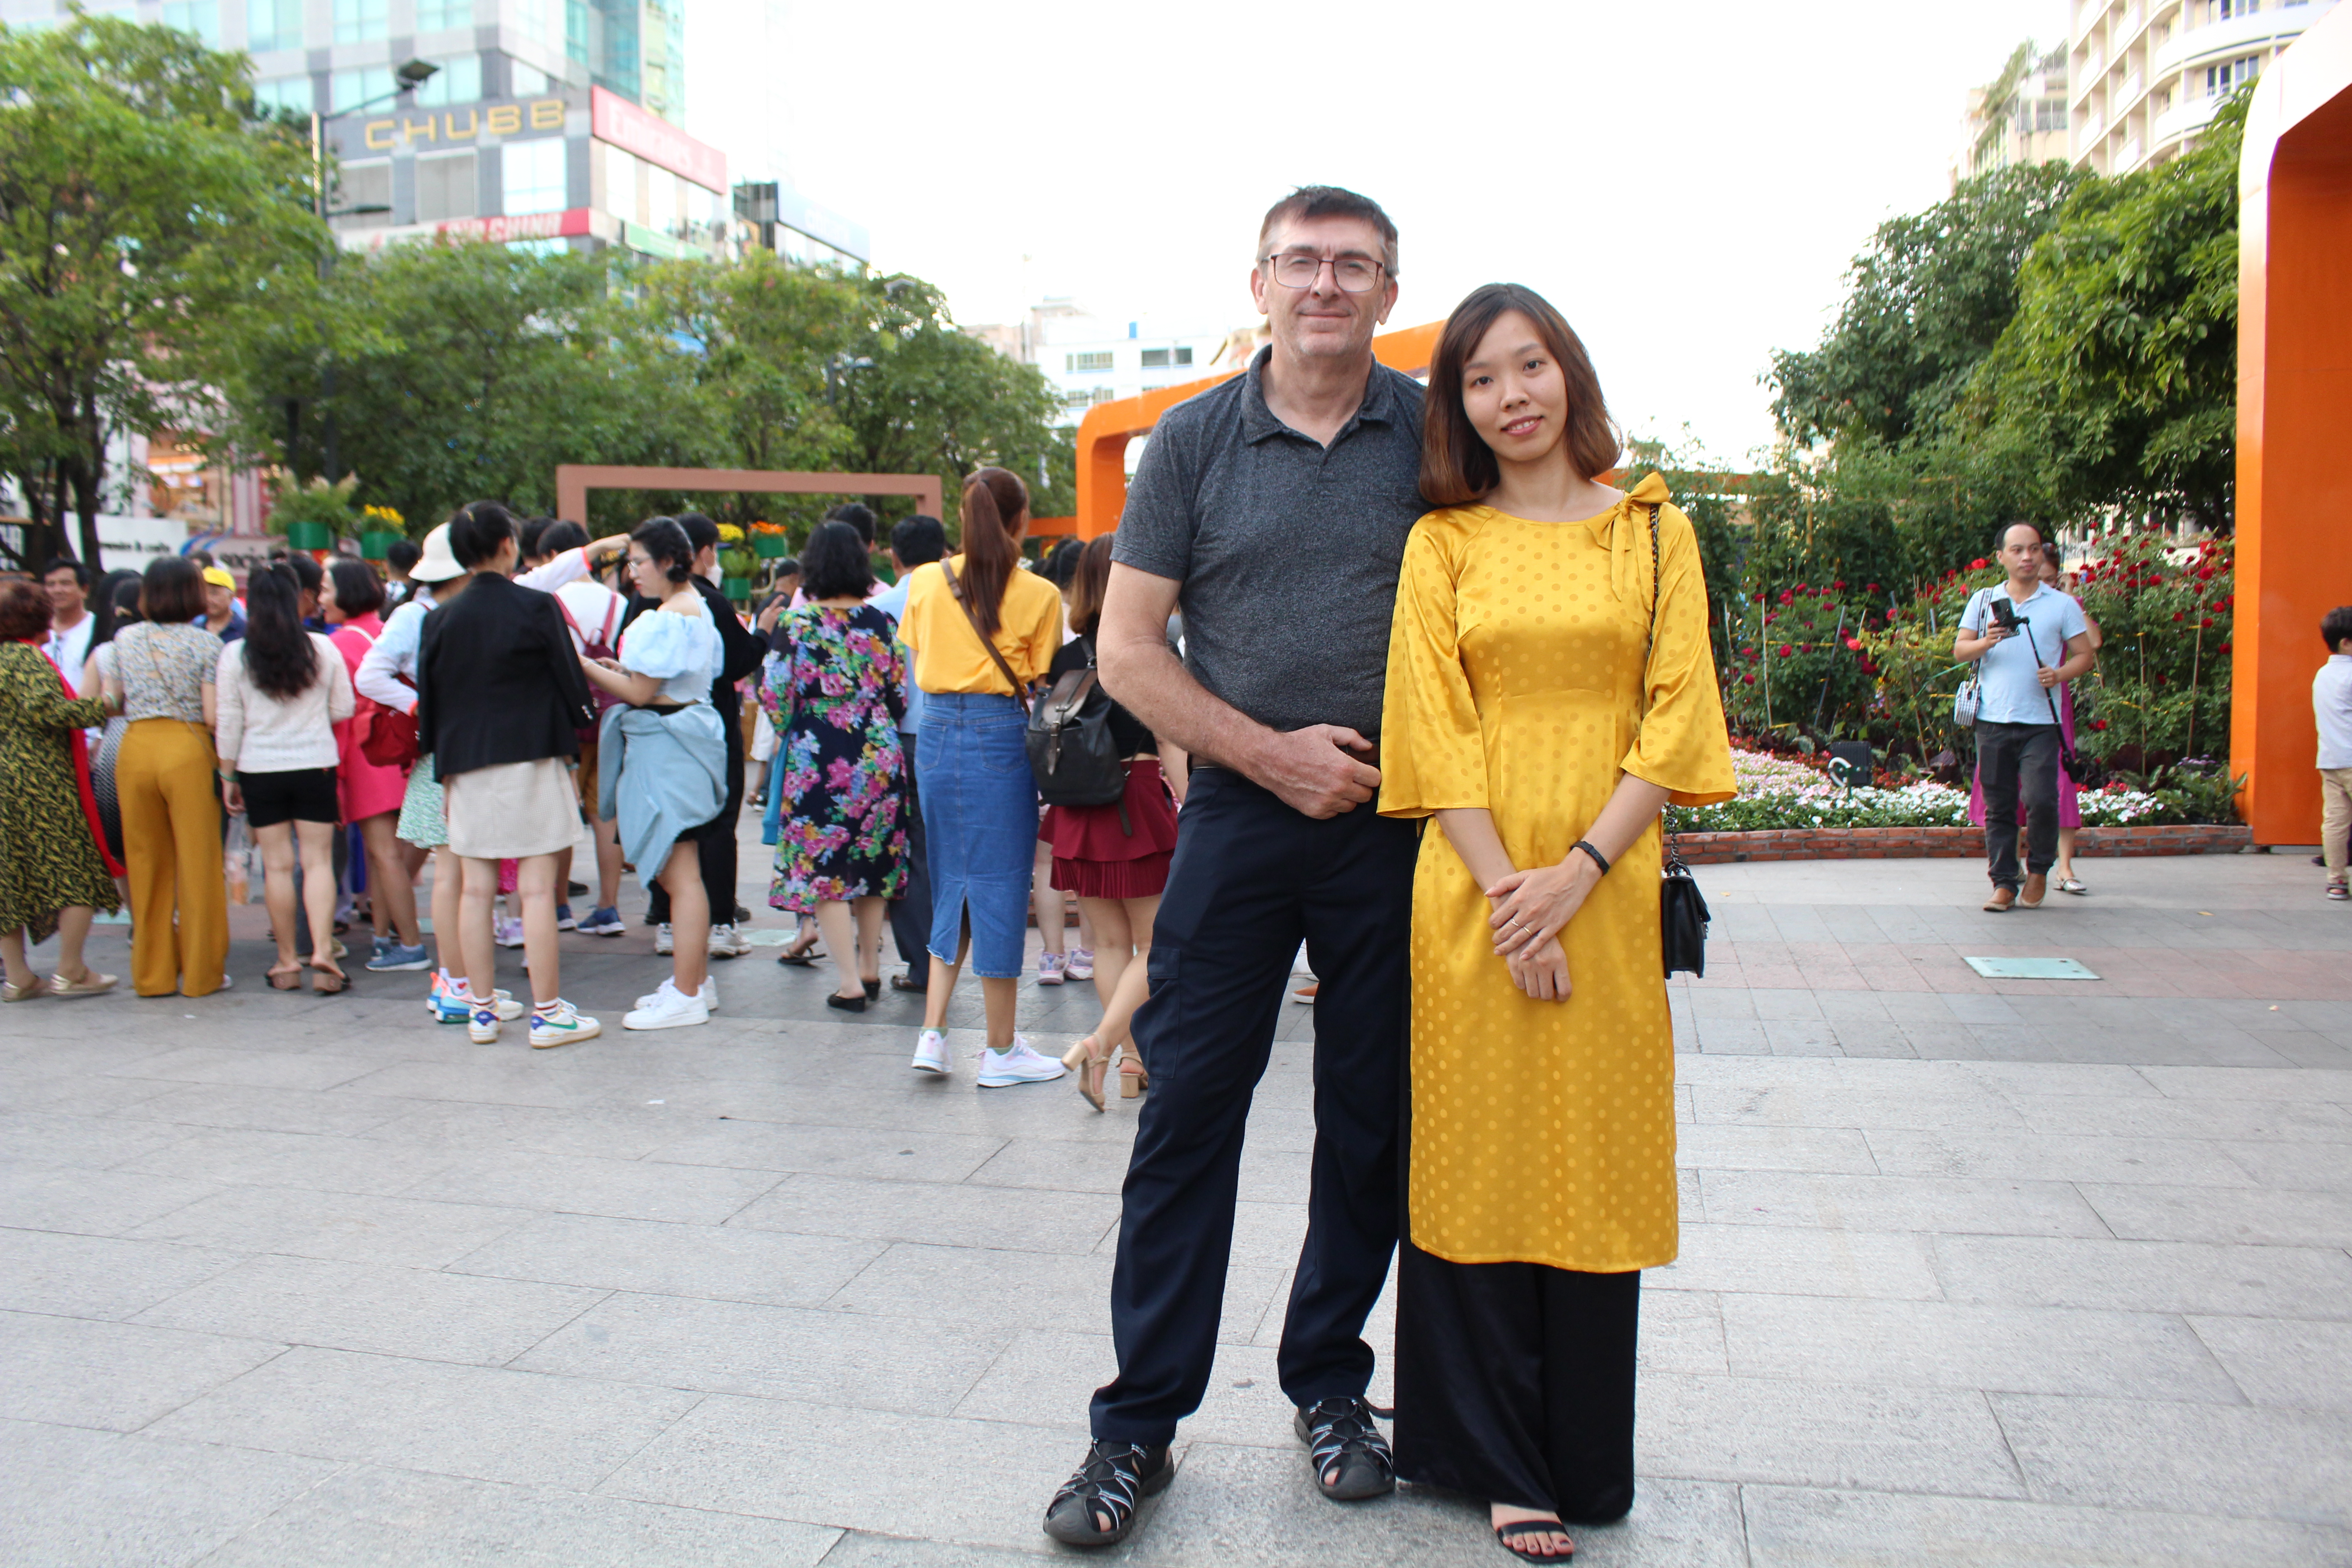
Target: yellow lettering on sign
503	120
473	126
410	130
386	126
547	114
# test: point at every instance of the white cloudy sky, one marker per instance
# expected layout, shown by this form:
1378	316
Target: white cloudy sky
1686	181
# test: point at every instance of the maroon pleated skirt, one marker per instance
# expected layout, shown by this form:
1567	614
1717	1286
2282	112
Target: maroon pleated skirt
1097	856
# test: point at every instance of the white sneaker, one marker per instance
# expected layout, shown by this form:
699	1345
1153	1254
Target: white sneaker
482	1027
931	1054
708	995
727	942
1001	1069
663	945
668	1008
558	1023
507	931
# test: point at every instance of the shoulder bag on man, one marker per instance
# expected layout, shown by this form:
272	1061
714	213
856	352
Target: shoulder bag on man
1681	910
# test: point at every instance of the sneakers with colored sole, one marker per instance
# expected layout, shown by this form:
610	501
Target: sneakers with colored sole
482	1027
1018	1064
558	1023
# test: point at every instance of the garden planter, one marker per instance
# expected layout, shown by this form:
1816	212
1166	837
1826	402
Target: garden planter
310	536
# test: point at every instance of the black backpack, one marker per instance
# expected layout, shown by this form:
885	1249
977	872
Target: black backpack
1071	752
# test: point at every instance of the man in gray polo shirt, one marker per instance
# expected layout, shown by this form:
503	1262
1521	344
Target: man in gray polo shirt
2017	713
1272	510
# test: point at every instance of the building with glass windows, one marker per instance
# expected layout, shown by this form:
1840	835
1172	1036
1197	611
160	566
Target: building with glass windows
2144	76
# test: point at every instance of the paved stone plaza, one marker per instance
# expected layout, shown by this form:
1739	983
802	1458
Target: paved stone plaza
1973	1272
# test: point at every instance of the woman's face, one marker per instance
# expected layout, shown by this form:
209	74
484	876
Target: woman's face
2051	575
648	576
1513	391
332	611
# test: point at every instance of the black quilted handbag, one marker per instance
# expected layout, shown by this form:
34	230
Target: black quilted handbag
1682	909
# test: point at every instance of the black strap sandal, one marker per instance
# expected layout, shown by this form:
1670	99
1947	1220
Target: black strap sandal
1110	1485
1352	1460
1518	1530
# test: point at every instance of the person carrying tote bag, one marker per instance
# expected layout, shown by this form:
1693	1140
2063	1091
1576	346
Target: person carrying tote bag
985	631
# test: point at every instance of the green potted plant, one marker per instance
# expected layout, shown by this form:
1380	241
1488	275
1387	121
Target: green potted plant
769	541
379	526
313	516
736	564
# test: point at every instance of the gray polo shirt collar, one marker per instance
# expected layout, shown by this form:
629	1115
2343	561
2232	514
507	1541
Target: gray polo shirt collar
1259	422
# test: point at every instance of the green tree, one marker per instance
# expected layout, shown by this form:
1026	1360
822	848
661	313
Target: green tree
445	373
1925	304
2120	364
143	204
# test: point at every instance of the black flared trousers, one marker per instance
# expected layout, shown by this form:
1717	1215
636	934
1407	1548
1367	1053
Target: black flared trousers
1515	1384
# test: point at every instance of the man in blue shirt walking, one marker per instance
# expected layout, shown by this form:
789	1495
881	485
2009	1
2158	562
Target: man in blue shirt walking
2028	636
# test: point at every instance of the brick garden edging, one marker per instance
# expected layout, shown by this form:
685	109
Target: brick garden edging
1944	843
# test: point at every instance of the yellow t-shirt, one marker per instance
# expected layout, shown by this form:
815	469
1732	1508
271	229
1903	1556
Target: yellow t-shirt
1028	631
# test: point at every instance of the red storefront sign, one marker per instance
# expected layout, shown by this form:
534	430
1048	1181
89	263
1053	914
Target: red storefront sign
523	226
612	118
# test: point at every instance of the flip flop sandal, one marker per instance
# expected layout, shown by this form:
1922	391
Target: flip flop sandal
804	959
1520	1530
284	979
329	982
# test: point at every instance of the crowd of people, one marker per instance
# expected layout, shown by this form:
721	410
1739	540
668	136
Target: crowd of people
1439	762
509	687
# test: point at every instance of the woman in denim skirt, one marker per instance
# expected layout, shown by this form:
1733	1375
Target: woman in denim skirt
985	631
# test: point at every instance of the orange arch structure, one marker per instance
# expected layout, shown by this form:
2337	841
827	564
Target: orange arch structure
1104	433
2294	408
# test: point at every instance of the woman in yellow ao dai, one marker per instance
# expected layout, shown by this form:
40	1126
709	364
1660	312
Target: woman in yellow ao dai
1535	711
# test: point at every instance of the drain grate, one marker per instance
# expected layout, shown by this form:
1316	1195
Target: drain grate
2029	969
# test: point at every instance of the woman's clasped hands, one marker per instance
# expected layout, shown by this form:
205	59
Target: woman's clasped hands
1531	910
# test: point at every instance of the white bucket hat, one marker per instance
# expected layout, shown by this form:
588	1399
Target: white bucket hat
436	565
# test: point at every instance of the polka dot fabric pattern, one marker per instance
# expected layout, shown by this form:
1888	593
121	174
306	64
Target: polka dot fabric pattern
1544	1131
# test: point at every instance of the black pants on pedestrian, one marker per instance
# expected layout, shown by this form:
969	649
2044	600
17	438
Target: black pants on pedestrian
910	915
714	841
1515	1384
2010	757
1250	877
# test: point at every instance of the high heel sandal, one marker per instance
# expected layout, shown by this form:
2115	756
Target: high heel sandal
1132	1079
1088	1061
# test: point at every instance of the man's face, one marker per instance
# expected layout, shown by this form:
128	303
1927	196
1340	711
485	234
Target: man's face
1323	318
67	598
2020	556
218	602
706	562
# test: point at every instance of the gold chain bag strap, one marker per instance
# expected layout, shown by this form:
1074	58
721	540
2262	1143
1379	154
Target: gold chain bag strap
1681	912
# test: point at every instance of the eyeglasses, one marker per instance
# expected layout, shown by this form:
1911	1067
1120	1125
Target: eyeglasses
1354	274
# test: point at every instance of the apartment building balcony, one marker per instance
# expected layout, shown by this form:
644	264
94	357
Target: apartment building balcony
2183	120
2216	41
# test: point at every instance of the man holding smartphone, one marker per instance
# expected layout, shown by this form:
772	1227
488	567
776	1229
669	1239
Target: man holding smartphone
2030	638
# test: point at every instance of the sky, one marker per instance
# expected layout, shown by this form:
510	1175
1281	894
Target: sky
1686	182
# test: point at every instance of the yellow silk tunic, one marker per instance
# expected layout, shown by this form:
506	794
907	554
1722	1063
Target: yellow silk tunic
1544	1131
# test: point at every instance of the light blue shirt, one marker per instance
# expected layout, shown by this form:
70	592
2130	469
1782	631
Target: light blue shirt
892	602
683	652
2008	691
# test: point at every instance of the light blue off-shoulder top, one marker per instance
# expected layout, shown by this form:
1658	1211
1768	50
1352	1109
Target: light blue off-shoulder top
682	651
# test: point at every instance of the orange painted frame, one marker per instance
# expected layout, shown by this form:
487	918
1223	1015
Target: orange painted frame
574	480
2294	406
1104	433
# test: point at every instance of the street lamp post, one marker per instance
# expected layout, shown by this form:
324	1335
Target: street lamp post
410	76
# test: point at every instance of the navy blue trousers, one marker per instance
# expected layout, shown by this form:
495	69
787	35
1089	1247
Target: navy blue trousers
1250	878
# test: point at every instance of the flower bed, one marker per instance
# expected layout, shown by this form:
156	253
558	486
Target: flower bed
1783	794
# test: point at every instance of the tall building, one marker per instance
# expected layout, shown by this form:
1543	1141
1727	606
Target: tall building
1092	360
2144	76
2018	118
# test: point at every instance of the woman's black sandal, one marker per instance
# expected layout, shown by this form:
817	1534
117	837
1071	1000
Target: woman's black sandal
1115	1479
1510	1535
873	989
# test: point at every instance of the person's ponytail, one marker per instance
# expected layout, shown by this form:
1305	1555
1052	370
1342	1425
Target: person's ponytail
990	510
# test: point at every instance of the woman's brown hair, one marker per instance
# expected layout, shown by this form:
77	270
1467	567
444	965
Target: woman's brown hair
173	589
992	509
1086	589
24	611
1457	466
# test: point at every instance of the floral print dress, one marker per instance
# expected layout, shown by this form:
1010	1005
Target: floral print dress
835	692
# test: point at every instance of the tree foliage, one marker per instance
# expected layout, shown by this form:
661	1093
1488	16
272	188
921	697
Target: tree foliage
142	202
2121	361
1925	304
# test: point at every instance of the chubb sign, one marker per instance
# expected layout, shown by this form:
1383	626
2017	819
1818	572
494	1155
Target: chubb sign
448	127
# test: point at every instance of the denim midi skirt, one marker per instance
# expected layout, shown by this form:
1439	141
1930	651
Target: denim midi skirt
980	817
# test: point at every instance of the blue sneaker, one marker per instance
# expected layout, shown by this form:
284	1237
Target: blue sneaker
390	957
563	920
604	921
